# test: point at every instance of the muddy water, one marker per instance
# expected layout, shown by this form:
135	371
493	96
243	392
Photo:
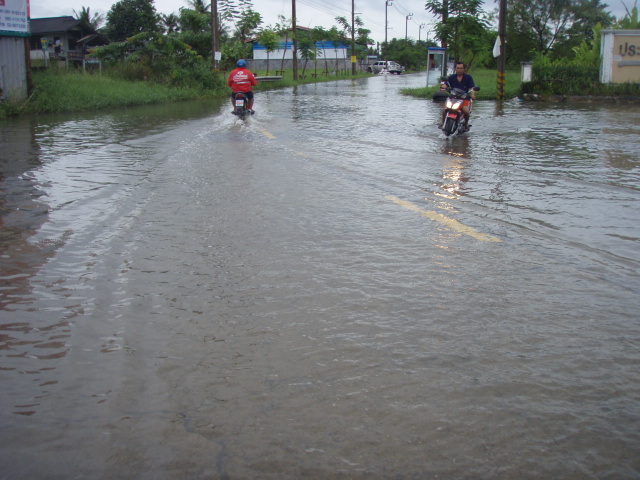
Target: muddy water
331	290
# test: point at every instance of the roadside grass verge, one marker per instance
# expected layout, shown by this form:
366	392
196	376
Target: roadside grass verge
56	92
487	80
61	91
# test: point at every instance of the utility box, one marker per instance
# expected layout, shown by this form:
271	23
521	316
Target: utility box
436	66
620	56
527	71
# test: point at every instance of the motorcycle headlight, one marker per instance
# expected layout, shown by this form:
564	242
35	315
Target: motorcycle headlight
449	103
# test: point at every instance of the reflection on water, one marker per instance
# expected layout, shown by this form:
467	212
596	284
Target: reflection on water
183	295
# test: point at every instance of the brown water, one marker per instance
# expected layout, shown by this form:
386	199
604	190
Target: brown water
331	290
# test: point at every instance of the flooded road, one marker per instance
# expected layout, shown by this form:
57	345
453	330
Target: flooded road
333	290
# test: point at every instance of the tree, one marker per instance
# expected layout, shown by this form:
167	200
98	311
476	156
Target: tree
131	17
461	21
587	15
307	47
85	18
170	23
199	6
546	20
271	40
630	20
196	30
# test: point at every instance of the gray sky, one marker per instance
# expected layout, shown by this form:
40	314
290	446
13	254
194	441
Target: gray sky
309	13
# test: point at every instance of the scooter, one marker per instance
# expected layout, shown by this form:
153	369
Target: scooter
240	102
454	117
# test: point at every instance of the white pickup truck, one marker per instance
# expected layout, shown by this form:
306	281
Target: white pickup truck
390	66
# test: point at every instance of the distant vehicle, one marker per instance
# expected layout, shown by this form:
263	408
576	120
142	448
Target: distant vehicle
390	66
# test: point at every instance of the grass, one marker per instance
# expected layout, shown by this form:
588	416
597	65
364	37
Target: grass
487	80
61	91
56	92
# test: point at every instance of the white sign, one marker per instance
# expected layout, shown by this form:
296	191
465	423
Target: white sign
218	56
14	17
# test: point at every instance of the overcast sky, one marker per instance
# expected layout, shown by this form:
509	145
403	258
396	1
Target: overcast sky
309	13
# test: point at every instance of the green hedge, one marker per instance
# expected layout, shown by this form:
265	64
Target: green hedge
562	79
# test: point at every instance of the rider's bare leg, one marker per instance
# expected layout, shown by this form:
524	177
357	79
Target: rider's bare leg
466	112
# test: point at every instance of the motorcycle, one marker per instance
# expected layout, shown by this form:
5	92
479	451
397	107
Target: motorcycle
240	109
454	117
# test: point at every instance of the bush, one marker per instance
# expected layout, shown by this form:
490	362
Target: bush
562	79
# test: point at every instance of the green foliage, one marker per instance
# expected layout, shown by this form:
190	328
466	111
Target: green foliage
552	27
588	52
271	41
85	17
131	17
462	21
159	58
61	91
196	30
630	20
555	77
486	79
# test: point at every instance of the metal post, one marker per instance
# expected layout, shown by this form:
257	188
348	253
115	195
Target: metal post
215	35
406	27
295	44
502	59
353	37
388	3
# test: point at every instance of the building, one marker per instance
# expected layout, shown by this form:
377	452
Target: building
62	38
338	55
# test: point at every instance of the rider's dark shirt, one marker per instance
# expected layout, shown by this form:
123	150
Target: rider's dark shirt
466	84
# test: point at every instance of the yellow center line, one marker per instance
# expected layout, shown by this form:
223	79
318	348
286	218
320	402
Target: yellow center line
449	222
267	134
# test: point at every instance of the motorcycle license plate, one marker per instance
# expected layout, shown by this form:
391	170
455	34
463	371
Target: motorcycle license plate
239	103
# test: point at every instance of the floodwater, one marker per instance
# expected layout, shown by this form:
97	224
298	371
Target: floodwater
333	290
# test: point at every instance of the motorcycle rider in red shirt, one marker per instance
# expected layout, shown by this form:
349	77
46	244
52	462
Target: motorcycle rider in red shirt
242	80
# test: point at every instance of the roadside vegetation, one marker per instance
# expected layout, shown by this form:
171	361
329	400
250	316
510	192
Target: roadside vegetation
484	78
164	58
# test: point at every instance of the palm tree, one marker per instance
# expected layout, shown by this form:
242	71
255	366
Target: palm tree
199	6
171	23
85	17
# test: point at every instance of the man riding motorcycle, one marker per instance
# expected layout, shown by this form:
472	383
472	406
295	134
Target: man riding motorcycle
242	80
463	81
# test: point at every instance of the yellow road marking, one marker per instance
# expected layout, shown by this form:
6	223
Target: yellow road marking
267	134
449	222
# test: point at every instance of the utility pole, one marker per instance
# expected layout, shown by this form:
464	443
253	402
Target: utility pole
406	27
422	25
388	3
353	37
215	36
295	42
502	59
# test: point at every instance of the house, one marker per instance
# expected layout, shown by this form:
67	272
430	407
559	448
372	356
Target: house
62	38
